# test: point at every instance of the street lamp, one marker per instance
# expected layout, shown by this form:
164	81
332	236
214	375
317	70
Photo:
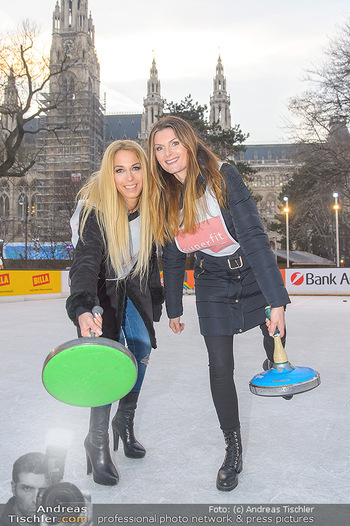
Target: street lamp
24	202
336	209
286	210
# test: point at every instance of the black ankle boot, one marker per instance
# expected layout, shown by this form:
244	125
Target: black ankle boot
232	465
98	457
123	427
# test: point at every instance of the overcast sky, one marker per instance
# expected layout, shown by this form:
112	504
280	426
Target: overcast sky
265	45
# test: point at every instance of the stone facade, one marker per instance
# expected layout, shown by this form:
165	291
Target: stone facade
273	165
75	150
72	150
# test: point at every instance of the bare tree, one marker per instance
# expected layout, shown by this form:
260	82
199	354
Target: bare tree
25	77
319	128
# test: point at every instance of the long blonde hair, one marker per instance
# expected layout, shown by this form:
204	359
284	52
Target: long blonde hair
101	195
165	189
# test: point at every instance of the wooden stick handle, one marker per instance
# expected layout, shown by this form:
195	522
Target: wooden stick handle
279	354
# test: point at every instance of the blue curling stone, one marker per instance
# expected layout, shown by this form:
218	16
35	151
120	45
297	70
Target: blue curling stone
284	381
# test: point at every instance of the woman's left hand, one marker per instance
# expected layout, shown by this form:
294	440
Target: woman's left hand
176	326
277	321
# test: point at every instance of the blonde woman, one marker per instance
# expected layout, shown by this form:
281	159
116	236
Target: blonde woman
115	266
202	205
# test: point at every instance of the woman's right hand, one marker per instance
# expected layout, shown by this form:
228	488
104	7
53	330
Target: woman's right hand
176	326
89	323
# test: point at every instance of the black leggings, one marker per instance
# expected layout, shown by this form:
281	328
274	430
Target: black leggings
221	369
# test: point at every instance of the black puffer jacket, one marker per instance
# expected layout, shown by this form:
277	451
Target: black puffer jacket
231	292
93	283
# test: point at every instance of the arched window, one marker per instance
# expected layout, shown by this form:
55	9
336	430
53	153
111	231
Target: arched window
70	13
256	181
68	88
270	207
270	180
4	205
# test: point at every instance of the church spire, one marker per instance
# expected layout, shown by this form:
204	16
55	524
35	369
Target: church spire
72	16
73	39
153	103
76	87
11	93
220	101
10	104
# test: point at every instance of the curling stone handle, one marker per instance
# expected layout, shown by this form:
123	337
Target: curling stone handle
96	310
268	315
279	354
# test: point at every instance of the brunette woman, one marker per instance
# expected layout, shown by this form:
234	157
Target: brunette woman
201	205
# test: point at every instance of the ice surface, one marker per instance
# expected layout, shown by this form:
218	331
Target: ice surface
295	451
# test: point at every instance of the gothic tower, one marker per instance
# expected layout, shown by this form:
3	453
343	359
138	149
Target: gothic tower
72	151
8	118
7	125
220	101
73	44
153	103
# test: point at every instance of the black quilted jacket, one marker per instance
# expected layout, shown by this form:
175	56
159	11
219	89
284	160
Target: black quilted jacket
92	282
228	300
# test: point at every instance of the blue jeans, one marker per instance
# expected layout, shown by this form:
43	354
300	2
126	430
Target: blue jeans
136	338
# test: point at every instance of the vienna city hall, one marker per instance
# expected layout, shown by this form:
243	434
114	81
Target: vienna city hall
36	208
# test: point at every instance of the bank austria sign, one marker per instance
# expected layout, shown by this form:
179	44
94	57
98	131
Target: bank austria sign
318	281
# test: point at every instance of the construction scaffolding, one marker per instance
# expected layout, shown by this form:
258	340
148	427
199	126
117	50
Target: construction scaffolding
71	150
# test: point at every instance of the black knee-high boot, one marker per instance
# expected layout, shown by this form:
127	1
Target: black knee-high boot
98	457
232	465
123	427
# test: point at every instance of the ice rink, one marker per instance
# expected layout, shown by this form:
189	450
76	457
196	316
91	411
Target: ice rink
295	451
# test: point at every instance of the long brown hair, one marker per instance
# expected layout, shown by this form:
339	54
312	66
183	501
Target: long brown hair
101	195
165	189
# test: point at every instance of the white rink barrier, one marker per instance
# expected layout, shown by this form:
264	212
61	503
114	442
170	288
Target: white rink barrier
323	281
